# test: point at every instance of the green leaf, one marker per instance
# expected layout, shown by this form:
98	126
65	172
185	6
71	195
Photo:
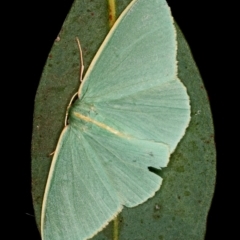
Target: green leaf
179	210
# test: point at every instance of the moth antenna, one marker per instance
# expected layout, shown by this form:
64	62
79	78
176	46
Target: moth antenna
69	105
81	74
81	59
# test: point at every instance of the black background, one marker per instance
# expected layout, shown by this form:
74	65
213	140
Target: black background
32	31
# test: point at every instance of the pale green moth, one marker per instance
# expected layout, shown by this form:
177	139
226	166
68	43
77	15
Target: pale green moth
131	112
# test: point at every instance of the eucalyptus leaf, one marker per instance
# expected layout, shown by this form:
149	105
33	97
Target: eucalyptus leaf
179	209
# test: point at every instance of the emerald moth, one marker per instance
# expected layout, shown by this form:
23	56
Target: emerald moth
131	112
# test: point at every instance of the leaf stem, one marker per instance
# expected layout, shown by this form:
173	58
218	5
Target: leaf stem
115	228
112	12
